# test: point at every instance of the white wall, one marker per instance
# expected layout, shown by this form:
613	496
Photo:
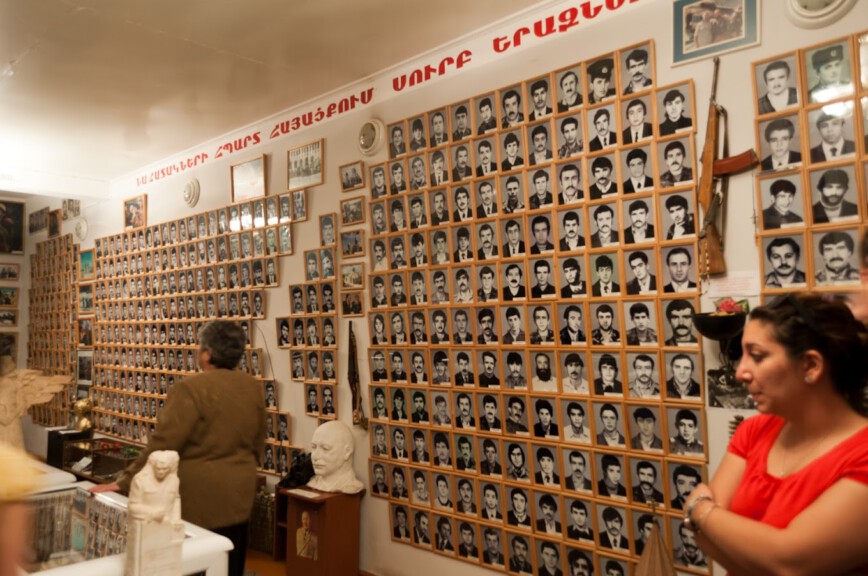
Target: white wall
651	20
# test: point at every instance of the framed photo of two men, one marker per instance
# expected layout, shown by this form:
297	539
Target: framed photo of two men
702	29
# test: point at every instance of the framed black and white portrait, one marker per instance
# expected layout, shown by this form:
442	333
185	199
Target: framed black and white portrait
686	431
777	84
782	201
835	260
784	261
834	195
637	69
828	71
569	88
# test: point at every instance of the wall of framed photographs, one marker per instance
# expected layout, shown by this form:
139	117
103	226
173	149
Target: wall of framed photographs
155	285
518	67
811	110
54	305
533	361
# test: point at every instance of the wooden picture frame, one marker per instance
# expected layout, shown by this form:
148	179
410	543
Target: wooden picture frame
38	220
10	272
328	229
135	212
304	165
85	331
353	276
299	206
9	297
352	176
352	244
248	179
71	209
86	269
12	227
54	219
352	304
283	340
85	298
9	344
284	208
84	367
8	318
353	211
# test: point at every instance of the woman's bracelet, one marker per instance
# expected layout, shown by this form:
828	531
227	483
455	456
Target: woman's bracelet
697	526
689	512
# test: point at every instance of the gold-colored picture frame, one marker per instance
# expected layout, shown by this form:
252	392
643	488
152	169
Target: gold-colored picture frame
305	165
10	272
248	179
352	176
135	212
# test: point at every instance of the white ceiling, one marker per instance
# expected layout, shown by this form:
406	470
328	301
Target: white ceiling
94	89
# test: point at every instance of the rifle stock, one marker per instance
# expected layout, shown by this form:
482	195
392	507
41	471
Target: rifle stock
712	186
710	261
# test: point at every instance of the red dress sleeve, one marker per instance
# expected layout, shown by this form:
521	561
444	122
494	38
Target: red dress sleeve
753	430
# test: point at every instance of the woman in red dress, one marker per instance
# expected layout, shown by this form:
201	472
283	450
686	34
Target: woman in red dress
791	494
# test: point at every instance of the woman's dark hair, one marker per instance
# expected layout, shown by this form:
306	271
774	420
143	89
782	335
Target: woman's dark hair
225	341
813	322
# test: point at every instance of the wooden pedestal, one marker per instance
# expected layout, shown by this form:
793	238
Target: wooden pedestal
334	520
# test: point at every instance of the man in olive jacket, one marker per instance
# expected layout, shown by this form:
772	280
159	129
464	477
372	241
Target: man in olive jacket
215	420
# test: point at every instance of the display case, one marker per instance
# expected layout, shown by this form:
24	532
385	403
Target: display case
50	476
99	460
79	534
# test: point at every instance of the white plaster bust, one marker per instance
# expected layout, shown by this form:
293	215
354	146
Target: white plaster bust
154	492
332	450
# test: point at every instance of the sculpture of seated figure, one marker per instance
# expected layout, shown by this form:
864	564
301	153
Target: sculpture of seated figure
332	450
154	492
155	532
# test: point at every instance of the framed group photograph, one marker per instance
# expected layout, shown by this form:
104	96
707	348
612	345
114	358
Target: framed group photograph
304	165
9	272
71	209
85	298
8	297
351	304
135	213
353	243
8	318
248	179
353	211
352	176
702	29
38	221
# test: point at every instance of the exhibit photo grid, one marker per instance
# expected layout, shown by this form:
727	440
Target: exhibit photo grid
314	322
811	127
155	285
535	370
52	310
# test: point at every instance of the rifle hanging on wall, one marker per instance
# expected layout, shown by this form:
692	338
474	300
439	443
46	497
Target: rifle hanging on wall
359	418
713	184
